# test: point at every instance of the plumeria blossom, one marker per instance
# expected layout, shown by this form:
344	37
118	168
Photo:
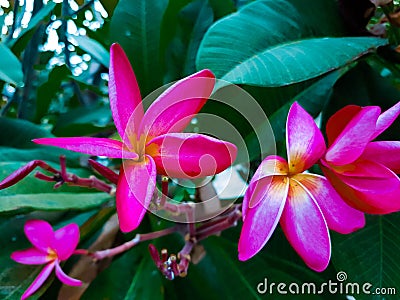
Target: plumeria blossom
362	171
305	204
152	142
49	248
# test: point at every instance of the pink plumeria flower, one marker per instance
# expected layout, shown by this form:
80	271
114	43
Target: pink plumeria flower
50	248
153	142
362	171
305	204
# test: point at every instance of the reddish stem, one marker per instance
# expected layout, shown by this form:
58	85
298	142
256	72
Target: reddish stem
98	255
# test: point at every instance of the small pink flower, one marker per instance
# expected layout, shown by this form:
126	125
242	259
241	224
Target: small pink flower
152	141
50	248
362	171
305	204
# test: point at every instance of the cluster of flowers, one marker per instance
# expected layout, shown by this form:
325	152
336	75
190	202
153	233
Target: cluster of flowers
360	173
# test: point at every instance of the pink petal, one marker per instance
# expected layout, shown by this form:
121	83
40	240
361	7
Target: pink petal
135	189
31	256
175	107
90	145
39	280
189	155
377	202
125	99
271	165
64	278
40	234
386	119
386	153
65	241
370	177
304	140
352	141
262	219
305	228
338	214
339	120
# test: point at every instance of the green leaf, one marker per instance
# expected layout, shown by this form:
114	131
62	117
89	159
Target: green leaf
371	254
136	25
36	19
114	282
49	90
275	44
52	201
94	48
364	85
298	61
10	67
83	121
202	22
19	147
32	193
222	8
151	288
26	132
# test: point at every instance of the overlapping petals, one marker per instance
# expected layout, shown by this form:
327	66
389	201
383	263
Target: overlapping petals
50	248
152	140
306	205
132	202
305	143
188	155
362	171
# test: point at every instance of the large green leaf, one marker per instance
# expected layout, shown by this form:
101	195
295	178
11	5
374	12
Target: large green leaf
16	143
301	60
275	44
52	201
32	193
83	121
151	288
136	25
10	67
371	255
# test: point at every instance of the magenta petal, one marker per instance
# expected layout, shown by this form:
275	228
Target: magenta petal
175	107
371	177
64	278
31	256
65	241
135	189
189	155
305	228
338	214
125	99
378	201
386	119
352	141
305	143
89	145
40	234
271	165
39	280
339	120
386	153
262	219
